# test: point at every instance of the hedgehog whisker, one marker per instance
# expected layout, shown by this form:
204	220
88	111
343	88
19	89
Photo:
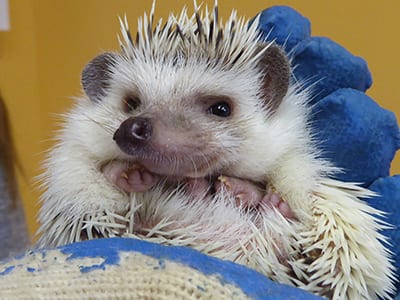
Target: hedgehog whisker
108	129
194	166
206	160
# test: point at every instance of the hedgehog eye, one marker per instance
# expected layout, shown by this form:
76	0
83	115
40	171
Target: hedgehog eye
220	109
130	103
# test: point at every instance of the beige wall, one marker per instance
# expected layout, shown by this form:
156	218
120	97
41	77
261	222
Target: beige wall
51	40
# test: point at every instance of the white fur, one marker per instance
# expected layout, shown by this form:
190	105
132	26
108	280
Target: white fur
333	245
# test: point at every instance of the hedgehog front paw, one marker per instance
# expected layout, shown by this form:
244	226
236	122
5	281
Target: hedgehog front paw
129	177
248	195
273	200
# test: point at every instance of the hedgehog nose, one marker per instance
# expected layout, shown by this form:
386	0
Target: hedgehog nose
133	130
140	128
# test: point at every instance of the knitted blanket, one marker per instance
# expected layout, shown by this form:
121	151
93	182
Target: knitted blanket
119	268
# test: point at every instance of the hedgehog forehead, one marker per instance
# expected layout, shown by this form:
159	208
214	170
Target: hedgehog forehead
166	83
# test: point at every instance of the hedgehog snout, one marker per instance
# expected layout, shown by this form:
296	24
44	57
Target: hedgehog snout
133	131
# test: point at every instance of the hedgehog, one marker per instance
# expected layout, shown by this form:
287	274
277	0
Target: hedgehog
196	134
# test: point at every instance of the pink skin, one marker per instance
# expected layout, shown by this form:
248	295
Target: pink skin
197	186
134	178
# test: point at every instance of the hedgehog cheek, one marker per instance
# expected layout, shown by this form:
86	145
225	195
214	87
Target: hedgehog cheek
276	69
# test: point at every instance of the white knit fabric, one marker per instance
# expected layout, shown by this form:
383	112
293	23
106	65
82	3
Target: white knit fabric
53	275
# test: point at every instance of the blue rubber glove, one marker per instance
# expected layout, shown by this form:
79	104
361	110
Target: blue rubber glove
326	67
319	62
389	201
285	26
356	134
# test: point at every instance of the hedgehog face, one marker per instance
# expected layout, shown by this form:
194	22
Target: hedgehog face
185	116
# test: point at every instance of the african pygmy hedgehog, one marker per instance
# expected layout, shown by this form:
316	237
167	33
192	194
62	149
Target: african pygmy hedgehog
196	134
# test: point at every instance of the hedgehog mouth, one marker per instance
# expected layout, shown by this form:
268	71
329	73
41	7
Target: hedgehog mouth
189	168
167	168
176	164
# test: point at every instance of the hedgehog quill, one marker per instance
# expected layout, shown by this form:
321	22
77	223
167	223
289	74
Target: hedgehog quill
195	134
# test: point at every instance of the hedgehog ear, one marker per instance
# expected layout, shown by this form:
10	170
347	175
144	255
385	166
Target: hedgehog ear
276	68
97	74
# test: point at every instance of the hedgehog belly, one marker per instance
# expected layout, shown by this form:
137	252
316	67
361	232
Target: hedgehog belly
215	226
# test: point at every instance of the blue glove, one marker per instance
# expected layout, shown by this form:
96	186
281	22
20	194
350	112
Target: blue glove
388	200
326	66
285	26
356	134
319	62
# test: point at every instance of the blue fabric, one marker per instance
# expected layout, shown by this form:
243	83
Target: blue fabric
249	281
388	200
356	134
326	66
285	26
353	130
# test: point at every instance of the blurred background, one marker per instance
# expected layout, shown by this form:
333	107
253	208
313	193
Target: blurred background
50	41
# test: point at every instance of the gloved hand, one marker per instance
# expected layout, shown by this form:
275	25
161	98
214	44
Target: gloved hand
354	132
